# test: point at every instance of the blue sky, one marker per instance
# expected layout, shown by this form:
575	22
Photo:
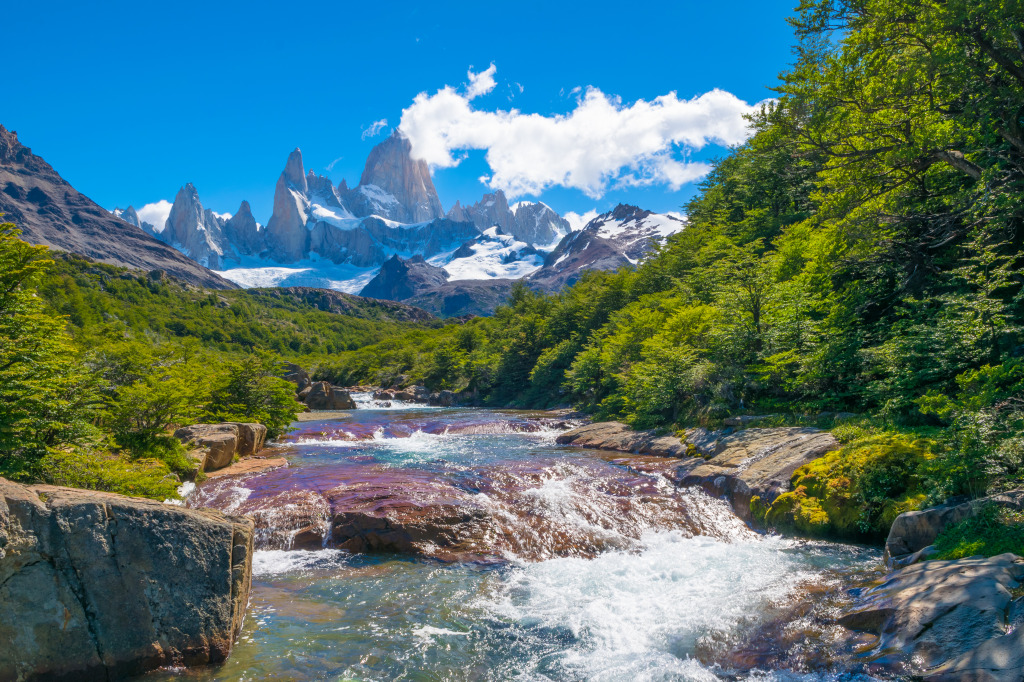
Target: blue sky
129	101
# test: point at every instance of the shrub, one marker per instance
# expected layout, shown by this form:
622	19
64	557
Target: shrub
994	530
83	468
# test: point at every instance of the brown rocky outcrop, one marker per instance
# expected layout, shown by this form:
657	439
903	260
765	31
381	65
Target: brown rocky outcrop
915	530
739	466
97	586
323	396
947	621
215	445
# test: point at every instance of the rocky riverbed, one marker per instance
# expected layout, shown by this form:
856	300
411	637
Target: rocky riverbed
403	541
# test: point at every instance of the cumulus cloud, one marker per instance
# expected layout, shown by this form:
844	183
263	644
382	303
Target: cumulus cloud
155	214
577	221
602	143
480	83
375	128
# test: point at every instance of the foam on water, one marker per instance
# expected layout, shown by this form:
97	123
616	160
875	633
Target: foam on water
643	615
269	562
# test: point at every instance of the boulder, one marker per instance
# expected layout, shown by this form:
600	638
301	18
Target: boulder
404	396
216	443
420	393
738	466
342	399
304	393
915	530
755	463
946	620
442	399
251	438
323	396
101	586
384	395
619	437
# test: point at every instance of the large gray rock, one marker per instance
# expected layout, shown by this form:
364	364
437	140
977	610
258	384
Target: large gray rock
915	530
619	437
738	466
323	396
946	620
243	233
96	586
215	445
756	462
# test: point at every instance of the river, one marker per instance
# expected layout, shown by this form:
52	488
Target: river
504	556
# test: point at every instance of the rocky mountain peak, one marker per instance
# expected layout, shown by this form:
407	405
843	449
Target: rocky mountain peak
294	174
404	189
628	212
242	230
195	231
400	279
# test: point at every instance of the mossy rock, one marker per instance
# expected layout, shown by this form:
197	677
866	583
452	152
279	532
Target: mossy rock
854	492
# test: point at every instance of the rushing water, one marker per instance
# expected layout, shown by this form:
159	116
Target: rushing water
524	560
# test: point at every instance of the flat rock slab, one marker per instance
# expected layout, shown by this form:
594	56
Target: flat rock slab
738	466
250	465
946	620
756	463
621	438
321	415
101	586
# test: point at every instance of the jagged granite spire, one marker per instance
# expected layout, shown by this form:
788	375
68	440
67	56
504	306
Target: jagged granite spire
396	186
286	235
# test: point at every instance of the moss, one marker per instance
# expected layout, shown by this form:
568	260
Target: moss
855	492
994	530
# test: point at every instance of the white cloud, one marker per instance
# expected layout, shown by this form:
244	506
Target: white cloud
480	83
223	216
602	143
330	166
374	129
577	221
155	214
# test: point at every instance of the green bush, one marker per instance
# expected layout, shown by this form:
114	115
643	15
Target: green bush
994	530
83	468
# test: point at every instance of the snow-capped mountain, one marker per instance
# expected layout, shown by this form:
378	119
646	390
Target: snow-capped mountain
388	236
621	237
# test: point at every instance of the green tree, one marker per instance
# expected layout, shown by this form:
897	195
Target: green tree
253	391
45	398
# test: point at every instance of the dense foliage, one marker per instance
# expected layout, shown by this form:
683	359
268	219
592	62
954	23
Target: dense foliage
98	365
861	253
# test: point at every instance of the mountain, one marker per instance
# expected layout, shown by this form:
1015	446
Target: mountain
624	236
314	220
400	279
395	186
49	211
633	231
534	223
